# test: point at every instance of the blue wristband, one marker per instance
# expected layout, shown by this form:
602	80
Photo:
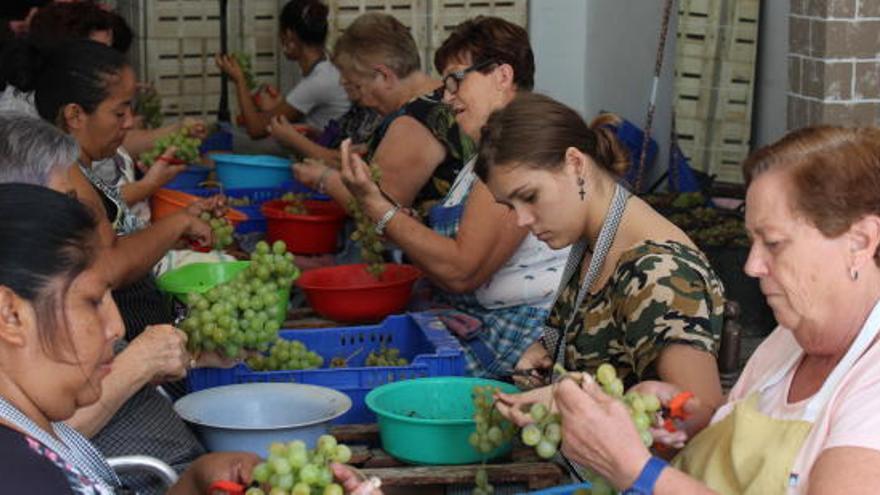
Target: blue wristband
644	484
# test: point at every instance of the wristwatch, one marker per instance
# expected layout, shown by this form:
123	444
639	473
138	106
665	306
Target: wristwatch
644	484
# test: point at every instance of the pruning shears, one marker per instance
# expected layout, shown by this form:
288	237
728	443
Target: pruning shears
674	413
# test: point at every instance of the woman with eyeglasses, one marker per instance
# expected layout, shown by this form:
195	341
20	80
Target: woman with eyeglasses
497	280
418	145
318	97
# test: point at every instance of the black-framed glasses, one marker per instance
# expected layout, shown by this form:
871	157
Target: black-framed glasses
453	80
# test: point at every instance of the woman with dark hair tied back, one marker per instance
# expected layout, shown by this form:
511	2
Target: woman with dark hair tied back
636	292
85	89
318	97
58	325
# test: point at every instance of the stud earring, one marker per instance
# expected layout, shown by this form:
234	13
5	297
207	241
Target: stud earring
853	274
581	192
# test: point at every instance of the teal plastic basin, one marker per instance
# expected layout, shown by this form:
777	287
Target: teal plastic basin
429	420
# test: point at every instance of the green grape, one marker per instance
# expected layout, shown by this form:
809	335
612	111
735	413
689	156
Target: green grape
531	435
386	356
333	489
538	411
545	449
254	491
301	489
605	374
261	472
309	474
294	203
342	454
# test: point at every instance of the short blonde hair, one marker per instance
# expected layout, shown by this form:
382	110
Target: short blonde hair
376	38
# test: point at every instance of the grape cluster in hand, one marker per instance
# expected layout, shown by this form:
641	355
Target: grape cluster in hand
221	227
372	248
242	313
247	69
186	146
293	469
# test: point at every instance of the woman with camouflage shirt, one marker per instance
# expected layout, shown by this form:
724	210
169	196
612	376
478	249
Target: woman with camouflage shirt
636	292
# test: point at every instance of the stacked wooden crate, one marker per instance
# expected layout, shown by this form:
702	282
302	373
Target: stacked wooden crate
716	52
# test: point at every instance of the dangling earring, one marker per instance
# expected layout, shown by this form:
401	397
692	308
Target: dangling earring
853	274
580	182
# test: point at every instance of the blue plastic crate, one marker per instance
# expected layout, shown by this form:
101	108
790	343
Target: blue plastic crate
255	222
421	338
562	490
191	177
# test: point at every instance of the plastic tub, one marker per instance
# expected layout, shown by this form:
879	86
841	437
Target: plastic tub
190	178
166	202
421	338
198	278
251	416
429	420
574	489
317	232
348	293
235	171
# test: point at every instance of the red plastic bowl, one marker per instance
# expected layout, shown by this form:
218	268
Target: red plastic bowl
314	233
347	293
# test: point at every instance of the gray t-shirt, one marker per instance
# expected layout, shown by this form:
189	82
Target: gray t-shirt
319	96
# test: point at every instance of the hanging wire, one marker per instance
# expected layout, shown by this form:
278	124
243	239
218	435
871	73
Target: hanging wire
652	102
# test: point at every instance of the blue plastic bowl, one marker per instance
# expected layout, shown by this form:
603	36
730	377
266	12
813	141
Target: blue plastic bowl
237	171
190	178
251	416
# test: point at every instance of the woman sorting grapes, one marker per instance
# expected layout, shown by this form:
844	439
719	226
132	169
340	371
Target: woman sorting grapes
318	97
418	147
802	419
498	279
58	325
85	88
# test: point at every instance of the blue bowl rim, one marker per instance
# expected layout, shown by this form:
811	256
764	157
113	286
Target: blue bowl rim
344	408
267	161
372	397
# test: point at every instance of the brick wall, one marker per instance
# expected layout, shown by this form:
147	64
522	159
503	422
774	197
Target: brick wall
834	62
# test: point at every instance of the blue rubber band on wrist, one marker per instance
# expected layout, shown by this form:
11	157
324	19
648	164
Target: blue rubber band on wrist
644	484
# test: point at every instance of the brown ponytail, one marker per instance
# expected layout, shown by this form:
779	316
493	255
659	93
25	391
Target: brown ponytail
536	130
610	153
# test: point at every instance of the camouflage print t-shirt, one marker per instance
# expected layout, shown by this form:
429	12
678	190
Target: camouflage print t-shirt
659	294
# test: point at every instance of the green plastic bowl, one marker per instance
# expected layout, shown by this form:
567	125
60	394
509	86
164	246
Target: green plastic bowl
429	420
201	277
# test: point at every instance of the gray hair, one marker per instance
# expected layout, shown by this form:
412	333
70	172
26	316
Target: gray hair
32	149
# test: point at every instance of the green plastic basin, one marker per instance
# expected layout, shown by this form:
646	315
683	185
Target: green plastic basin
201	277
429	420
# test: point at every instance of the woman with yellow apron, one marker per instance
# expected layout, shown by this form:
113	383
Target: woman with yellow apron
750	452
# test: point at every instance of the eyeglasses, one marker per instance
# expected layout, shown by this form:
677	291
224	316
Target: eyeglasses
453	80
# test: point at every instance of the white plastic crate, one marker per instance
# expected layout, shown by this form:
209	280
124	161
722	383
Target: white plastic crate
714	89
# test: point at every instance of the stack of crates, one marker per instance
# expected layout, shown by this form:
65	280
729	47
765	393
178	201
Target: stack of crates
716	54
177	40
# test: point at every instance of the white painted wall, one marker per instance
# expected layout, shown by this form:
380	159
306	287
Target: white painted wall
599	55
771	86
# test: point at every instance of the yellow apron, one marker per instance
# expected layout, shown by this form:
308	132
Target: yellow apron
751	453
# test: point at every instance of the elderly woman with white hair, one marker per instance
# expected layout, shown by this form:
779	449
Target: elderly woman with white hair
130	416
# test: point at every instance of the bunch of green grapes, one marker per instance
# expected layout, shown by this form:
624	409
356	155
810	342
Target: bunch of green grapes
294	203
492	429
242	313
221	227
247	68
286	355
187	147
293	469
148	104
236	202
372	247
387	356
545	434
